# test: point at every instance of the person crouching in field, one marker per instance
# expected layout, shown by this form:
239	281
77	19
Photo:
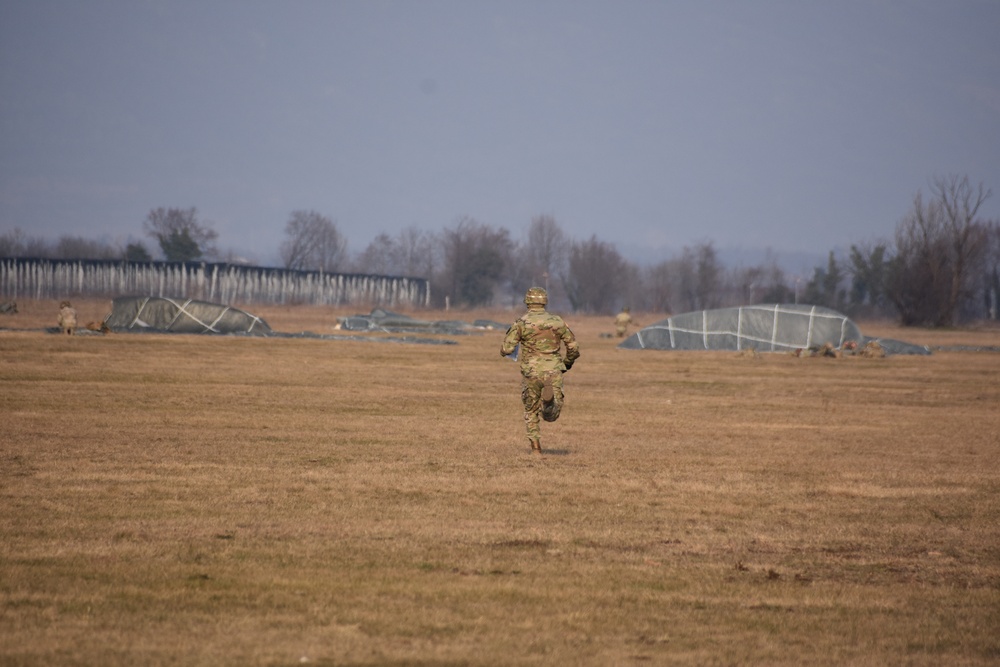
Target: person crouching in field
67	318
538	337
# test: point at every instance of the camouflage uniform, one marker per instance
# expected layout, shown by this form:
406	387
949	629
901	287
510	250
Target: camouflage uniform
540	336
67	318
622	320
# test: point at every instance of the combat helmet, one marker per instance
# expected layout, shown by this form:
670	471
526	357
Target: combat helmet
536	295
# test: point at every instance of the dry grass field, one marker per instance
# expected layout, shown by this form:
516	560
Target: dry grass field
195	500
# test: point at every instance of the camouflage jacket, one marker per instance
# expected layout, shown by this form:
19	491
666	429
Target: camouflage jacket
541	336
67	316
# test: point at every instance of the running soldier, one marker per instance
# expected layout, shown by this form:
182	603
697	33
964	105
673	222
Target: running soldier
537	338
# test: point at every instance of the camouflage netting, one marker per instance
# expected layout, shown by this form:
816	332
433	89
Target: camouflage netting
137	313
765	328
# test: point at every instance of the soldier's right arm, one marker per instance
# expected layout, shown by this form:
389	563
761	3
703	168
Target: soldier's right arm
511	340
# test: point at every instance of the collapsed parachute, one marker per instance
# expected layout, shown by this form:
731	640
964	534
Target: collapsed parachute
137	313
765	328
164	315
386	320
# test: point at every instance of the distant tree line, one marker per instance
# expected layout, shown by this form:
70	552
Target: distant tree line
941	267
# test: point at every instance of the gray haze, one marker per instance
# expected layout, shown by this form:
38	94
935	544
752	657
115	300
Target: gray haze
798	126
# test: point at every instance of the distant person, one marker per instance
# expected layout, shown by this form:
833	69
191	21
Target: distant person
622	320
537	339
67	318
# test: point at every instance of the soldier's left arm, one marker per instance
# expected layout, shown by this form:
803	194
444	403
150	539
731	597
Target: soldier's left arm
572	347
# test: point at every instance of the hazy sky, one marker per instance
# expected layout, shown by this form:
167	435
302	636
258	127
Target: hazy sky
799	126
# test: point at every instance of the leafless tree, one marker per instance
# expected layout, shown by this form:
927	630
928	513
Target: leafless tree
411	253
595	276
12	243
540	258
660	293
967	235
763	283
35	246
939	248
749	282
313	243
632	286
77	247
475	258
417	252
913	274
377	258
16	243
182	237
696	280
547	249
991	272
699	278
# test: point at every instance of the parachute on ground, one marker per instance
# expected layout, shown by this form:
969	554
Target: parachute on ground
165	315
138	313
386	320
764	328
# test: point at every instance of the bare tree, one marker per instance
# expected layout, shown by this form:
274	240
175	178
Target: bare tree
595	276
991	271
660	292
967	236
16	243
411	253
547	249
378	256
539	258
313	243
417	252
699	278
77	247
775	285
749	284
632	286
939	249
764	283
710	276
181	236
12	243
475	259
35	246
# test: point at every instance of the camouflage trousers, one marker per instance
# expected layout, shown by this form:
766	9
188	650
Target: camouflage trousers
531	396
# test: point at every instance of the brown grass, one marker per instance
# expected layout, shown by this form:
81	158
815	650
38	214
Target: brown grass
215	500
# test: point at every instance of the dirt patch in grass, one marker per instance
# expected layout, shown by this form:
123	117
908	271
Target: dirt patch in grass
191	500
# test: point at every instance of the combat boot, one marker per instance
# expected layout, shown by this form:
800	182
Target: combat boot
536	446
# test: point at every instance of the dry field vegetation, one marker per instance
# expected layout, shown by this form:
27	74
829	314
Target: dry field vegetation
194	500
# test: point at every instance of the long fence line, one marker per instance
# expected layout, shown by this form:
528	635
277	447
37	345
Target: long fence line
22	278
